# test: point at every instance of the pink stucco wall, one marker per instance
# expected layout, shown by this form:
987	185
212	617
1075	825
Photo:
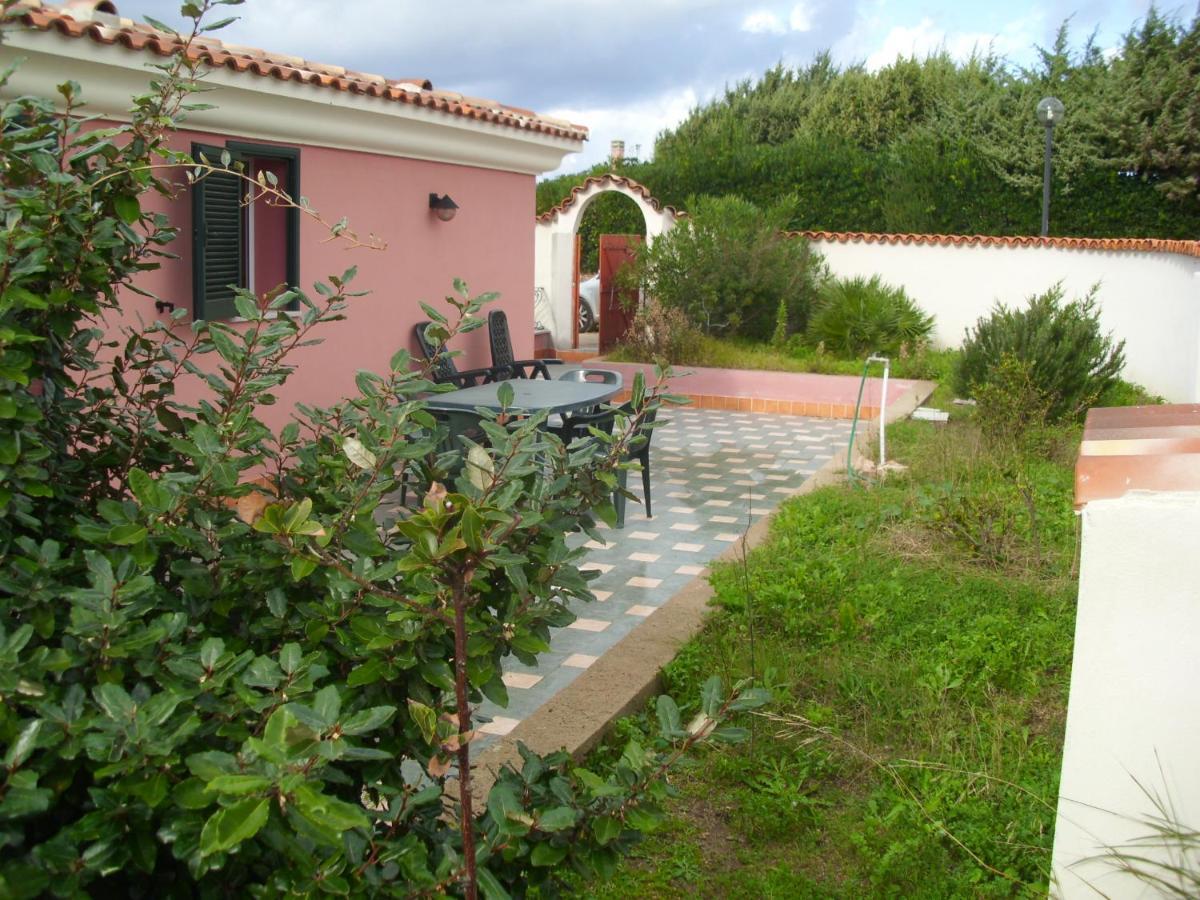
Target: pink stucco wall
489	244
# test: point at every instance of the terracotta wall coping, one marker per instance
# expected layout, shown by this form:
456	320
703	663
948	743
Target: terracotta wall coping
1138	448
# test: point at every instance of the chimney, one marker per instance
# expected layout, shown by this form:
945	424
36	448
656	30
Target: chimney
617	152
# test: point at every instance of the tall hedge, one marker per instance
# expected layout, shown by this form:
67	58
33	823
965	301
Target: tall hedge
939	146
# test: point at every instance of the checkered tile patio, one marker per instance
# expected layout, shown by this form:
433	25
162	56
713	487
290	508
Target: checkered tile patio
713	473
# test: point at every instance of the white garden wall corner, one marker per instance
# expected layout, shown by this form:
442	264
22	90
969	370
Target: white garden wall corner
1133	725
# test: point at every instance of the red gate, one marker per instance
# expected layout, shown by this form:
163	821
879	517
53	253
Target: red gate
617	307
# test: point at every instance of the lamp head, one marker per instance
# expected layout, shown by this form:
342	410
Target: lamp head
1049	111
443	207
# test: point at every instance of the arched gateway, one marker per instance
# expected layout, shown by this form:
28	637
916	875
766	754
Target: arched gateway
554	246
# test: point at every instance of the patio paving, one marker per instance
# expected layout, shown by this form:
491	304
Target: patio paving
784	393
713	473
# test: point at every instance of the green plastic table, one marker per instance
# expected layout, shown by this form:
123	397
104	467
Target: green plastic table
530	395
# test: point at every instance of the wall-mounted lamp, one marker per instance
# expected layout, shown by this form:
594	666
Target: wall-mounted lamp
443	207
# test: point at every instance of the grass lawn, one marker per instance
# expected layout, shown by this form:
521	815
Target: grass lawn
917	639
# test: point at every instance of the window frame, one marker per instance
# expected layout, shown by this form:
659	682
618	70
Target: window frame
244	151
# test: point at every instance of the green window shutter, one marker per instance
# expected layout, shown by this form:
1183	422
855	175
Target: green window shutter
217	240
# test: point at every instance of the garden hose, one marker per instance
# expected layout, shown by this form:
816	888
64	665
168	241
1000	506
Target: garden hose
850	474
887	365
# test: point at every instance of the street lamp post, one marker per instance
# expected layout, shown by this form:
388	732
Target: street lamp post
1049	113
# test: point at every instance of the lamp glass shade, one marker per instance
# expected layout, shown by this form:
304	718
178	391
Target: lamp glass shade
1050	111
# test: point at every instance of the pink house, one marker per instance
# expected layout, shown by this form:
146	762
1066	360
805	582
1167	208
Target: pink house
375	150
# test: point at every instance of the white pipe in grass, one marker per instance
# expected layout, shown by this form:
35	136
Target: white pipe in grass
887	365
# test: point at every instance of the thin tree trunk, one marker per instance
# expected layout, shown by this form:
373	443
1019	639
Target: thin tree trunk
466	815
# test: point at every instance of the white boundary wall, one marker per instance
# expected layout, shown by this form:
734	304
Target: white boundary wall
1132	714
1151	300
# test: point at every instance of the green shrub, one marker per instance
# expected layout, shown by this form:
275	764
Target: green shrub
1069	360
662	334
729	267
1127	393
231	663
1010	402
857	317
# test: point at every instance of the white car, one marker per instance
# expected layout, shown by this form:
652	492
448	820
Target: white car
589	303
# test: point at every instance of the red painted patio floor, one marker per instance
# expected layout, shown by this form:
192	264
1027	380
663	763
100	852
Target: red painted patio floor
787	393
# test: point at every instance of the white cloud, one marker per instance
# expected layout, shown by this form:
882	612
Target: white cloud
869	42
763	22
801	18
919	40
636	124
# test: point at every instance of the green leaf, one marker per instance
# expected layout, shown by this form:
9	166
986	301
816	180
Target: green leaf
358	454
152	790
25	801
547	855
327	704
432	312
191	793
501	802
490	885
669	722
425	718
504	395
127	208
557	818
644	817
751	698
302	567
368	673
710	696
328	812
211	763
144	489
20	749
606	829
246	307
263	672
496	691
290	658
472	528
297	514
239	784
115	701
210	652
368	720
127	534
228	827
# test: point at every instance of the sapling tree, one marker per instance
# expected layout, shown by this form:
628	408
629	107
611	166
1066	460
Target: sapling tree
231	661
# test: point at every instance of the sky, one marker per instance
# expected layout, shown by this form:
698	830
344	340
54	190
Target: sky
631	69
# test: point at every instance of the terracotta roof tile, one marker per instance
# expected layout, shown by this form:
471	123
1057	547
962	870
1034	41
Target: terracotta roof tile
1142	245
607	180
91	20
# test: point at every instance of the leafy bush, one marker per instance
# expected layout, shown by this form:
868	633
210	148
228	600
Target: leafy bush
662	334
1010	403
728	266
856	317
222	649
1069	360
